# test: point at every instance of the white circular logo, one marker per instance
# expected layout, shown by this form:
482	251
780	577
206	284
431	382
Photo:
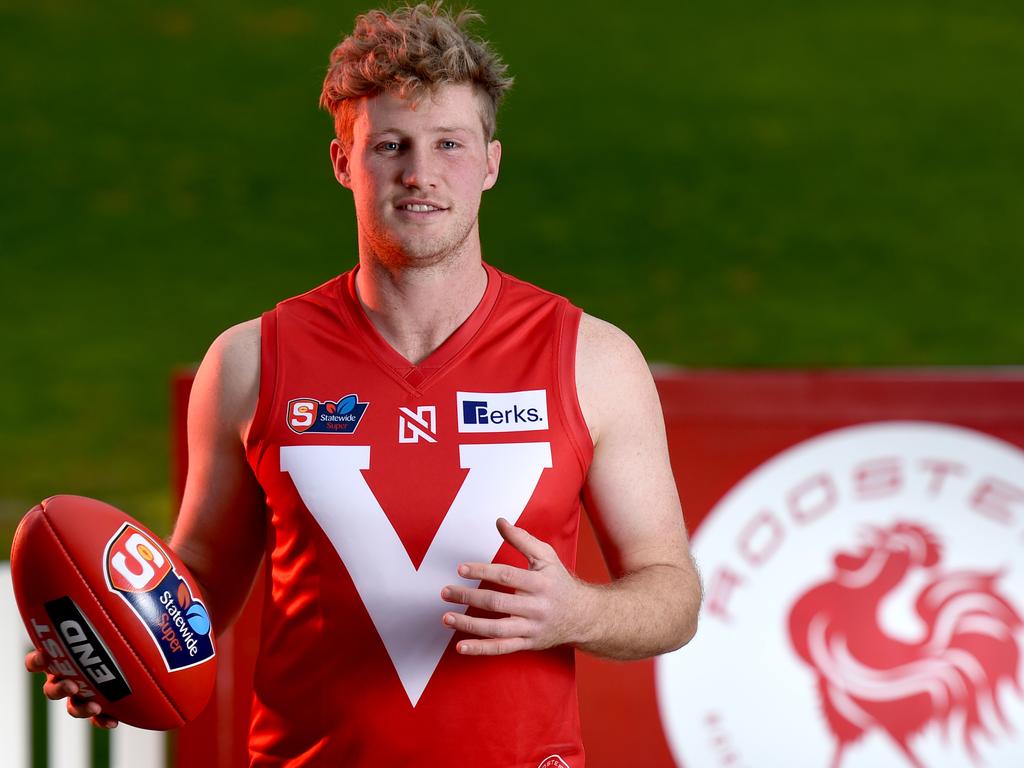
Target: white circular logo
863	608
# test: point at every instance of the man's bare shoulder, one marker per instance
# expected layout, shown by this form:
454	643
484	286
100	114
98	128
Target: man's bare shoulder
230	373
239	344
610	370
598	339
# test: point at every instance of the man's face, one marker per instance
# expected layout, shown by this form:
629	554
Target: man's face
417	174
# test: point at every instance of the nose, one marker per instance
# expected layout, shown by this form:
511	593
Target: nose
420	169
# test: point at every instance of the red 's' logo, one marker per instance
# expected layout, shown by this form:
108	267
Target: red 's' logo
869	680
135	563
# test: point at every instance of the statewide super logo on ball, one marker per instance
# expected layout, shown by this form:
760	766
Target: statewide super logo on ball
863	609
140	571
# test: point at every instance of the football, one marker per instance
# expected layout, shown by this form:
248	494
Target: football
112	608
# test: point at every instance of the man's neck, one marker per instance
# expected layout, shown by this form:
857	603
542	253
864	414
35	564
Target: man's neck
416	309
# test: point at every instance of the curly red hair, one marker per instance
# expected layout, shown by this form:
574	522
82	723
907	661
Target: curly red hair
411	51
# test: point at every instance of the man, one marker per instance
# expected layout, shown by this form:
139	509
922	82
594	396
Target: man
409	444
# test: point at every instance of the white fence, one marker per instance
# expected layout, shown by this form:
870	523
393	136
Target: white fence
68	741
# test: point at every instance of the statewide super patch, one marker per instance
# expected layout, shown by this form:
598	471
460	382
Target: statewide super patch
333	417
141	572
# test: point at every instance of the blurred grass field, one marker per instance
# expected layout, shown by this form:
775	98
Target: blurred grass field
735	184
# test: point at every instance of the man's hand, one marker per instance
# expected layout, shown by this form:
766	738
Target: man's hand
546	609
56	688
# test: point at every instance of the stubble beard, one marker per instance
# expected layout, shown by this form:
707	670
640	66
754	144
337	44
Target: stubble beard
412	252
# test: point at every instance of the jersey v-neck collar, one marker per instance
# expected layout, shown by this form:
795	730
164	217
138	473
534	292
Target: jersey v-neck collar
417	377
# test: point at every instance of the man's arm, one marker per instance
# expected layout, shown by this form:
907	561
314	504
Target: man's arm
652	603
220	530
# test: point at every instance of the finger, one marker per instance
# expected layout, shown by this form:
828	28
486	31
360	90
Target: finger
497	647
104	721
82	708
498	573
57	689
35	662
510	626
488	600
533	548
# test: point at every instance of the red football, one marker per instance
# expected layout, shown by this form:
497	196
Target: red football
115	610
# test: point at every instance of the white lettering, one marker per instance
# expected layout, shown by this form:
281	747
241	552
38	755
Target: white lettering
40	629
180	622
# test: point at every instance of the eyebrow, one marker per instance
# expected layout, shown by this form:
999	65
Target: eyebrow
435	129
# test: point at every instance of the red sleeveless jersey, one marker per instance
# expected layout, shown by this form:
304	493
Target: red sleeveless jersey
380	478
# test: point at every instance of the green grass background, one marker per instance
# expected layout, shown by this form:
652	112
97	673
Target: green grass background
735	184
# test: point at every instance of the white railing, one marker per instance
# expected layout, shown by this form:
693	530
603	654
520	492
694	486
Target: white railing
68	742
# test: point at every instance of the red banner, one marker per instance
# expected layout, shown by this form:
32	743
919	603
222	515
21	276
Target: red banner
860	535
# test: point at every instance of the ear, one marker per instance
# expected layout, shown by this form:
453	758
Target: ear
339	161
493	162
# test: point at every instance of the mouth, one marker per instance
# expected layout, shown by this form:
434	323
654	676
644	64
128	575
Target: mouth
419	206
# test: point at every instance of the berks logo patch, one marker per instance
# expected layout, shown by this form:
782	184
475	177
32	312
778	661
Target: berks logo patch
502	411
140	571
332	417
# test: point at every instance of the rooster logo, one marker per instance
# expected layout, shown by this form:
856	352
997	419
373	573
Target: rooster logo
868	679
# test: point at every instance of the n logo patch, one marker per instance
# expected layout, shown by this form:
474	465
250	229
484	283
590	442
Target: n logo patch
404	602
416	425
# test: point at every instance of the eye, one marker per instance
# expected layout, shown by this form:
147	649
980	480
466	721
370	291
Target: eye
388	146
449	144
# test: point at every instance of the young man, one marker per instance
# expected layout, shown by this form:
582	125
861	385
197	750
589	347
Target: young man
410	445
